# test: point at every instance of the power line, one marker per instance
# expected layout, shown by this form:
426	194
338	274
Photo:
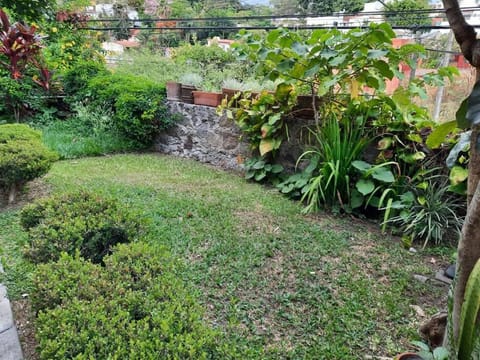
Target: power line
295	27
444	51
289	16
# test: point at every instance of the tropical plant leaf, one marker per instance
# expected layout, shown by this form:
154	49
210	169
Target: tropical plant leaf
458	175
438	135
385	143
276	169
461	115
383	174
460	189
376	53
441	353
384	69
299	48
473	110
283	90
460	146
363	166
356	199
249	174
258	165
413	158
266	130
266	146
260	176
365	186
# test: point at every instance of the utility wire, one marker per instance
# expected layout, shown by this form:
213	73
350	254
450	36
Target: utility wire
291	16
296	27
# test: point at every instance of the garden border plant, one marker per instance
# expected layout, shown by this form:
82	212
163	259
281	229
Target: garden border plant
80	221
348	73
23	157
133	307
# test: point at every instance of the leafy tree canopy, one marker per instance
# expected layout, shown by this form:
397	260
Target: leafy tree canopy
285	7
29	9
36	10
330	6
396	13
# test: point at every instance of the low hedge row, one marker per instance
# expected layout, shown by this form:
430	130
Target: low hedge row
132	308
97	297
77	221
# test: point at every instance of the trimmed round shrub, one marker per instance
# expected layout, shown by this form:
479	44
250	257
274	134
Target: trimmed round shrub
23	157
134	307
68	278
79	221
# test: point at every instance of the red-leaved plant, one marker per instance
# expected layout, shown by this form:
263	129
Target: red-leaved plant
19	44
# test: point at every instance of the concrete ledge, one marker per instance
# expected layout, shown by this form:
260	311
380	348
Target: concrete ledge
10	345
6	318
10	348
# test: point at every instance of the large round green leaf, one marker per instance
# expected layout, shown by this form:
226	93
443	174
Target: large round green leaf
365	186
383	174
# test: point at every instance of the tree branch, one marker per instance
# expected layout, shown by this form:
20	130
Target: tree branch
465	34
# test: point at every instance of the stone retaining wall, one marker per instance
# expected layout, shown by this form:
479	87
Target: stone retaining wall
203	135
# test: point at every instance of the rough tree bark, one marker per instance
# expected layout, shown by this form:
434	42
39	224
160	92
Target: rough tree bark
469	244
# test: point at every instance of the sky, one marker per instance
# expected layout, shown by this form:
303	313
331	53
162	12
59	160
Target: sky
256	2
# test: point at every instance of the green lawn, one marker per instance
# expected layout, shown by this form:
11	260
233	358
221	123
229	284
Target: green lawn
294	286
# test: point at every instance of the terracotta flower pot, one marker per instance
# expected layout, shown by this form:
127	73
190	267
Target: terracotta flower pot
174	91
207	98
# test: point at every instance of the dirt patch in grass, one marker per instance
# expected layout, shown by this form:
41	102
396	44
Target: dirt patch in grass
33	190
24	319
256	221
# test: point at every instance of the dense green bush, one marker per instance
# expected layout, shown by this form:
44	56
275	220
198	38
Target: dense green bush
76	78
90	131
17	97
203	55
133	308
77	221
70	277
138	104
23	157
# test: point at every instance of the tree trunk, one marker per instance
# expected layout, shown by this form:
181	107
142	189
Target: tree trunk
12	194
469	244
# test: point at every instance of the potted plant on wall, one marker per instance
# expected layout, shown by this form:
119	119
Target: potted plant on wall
190	82
208	96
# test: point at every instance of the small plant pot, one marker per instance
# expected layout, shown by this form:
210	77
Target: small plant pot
207	98
187	93
174	91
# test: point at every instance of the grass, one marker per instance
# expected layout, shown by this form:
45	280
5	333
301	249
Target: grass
70	141
294	286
